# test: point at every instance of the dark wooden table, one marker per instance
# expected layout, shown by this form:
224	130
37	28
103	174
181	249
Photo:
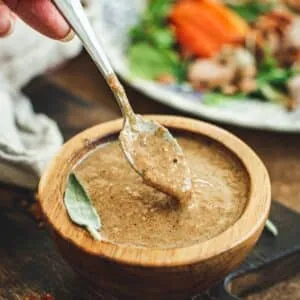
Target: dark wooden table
29	263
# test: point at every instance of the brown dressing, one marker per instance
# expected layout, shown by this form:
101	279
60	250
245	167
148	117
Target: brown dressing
134	213
161	163
152	151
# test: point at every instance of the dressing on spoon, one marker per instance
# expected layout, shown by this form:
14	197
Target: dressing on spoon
149	147
161	163
154	153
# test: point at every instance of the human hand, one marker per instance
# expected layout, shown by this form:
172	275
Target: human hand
42	15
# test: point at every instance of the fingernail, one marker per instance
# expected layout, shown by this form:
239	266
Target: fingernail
69	37
6	25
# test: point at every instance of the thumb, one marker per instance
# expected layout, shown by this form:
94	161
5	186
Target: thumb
7	20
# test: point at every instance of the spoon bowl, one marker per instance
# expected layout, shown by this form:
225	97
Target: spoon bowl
156	155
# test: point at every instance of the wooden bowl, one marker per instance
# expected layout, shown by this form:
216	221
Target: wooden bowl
146	273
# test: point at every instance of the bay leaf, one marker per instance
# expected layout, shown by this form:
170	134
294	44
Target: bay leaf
80	207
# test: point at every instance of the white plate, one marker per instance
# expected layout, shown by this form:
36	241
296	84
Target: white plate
117	16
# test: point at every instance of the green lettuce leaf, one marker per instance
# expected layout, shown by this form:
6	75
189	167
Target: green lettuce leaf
149	62
251	10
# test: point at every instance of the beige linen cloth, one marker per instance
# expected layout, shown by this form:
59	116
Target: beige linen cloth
28	140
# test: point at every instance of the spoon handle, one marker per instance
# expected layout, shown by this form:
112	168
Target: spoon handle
73	12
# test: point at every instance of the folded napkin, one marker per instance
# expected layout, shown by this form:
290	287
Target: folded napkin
28	140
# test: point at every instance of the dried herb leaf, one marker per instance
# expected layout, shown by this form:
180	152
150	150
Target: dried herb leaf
80	208
271	227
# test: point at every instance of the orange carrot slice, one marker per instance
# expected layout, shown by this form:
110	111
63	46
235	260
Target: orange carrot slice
199	44
204	26
203	21
225	15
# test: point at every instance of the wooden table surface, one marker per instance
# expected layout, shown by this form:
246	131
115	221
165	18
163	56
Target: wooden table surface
28	260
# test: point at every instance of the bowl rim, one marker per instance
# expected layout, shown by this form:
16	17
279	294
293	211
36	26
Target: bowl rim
53	181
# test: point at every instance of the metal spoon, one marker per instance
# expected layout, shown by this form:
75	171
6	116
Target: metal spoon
149	147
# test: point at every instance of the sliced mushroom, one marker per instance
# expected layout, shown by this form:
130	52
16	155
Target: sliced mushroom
210	74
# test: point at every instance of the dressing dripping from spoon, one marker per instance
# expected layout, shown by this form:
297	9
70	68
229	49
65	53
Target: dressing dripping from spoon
149	147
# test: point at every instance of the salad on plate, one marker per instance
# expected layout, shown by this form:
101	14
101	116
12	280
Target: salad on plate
230	49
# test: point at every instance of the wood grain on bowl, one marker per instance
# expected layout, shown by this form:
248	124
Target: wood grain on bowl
151	272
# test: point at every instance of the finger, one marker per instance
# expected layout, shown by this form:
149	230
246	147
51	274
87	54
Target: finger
43	16
6	20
